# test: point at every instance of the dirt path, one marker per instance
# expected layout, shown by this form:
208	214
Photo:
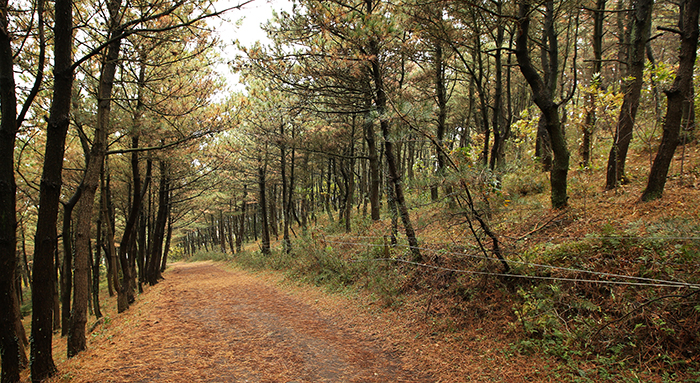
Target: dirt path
206	324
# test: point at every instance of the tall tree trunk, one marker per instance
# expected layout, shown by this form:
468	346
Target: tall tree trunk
596	82
483	98
327	198
290	197
262	203
285	193
41	360
56	298
241	220
67	266
652	81
441	98
254	227
222	232
13	339
350	183
623	22
410	156
23	342
500	128
544	98
543	145
680	94
274	214
9	340
98	260
110	250
168	237
394	178
76	332
156	244
373	161
639	34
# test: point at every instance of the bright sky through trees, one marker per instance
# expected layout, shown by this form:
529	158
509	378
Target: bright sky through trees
244	25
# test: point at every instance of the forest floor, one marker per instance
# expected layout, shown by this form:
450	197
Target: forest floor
207	322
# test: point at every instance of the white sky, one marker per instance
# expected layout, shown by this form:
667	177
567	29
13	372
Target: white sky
253	15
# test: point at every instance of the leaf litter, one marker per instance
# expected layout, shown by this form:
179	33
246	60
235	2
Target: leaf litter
206	324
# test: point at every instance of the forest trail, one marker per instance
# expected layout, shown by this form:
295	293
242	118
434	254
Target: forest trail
207	324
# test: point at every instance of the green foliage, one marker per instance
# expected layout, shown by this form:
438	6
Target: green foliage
177	253
525	183
319	265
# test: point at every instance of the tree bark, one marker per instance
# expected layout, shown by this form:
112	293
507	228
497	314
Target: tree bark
350	182
168	237
110	250
9	339
441	98
373	163
285	191
596	82
500	127
262	203
639	34
156	246
91	179
543	97
381	103
680	94
67	266
41	361
241	220
98	260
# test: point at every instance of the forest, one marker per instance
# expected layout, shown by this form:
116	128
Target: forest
530	166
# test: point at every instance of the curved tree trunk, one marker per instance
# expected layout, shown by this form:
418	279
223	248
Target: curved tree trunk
639	32
680	94
543	97
392	169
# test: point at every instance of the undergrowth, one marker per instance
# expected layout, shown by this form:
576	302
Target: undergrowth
595	331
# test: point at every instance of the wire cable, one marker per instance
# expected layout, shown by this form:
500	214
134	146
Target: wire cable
645	281
441	268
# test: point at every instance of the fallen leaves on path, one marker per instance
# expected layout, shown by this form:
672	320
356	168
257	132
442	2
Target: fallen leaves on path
205	324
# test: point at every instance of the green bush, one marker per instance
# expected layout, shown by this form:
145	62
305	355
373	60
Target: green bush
524	183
